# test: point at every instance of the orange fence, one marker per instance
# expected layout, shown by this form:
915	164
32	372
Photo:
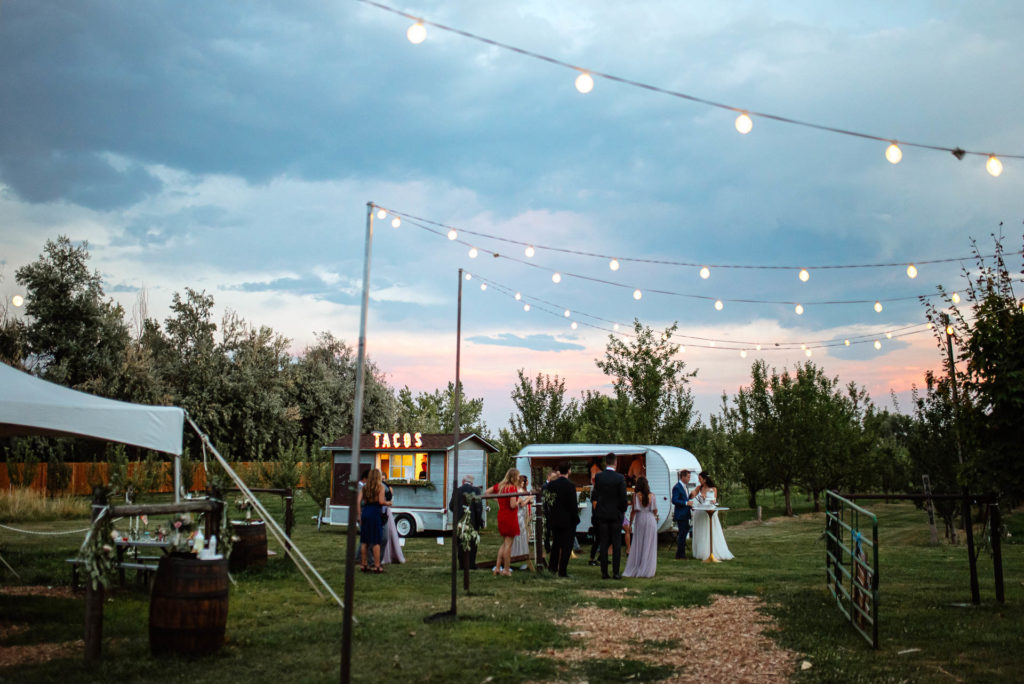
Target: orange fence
84	474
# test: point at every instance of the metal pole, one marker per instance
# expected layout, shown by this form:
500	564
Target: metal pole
353	475
455	451
177	478
968	523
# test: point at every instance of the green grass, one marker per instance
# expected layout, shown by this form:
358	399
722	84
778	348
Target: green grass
278	629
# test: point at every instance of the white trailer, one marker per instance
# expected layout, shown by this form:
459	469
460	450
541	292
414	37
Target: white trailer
420	469
660	465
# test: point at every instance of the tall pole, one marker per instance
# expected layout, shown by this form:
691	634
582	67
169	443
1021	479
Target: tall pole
353	475
968	523
455	451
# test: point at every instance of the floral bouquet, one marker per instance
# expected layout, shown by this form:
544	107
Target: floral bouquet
181	529
245	504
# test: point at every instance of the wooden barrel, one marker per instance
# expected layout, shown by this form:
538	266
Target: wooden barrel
250	551
188	609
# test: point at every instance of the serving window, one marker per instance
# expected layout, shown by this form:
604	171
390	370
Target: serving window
409	466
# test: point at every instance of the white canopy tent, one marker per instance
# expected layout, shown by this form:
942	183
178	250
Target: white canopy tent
31	406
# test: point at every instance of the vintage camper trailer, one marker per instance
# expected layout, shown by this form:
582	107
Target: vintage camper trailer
418	466
659	464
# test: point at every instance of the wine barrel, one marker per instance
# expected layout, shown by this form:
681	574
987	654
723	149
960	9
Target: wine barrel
250	551
188	609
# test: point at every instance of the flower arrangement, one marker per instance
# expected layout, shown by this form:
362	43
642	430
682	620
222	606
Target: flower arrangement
405	482
467	533
181	530
245	504
97	553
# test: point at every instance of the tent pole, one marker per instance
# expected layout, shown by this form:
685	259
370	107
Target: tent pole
177	478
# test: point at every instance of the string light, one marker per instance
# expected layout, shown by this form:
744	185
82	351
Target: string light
803	347
878	307
584	83
994	166
483	286
808	353
878	345
682	350
804	275
911	271
743	353
469	276
556	277
615	327
744	123
574	325
846	343
453	234
614	264
381	214
718	305
518	296
758	347
705	272
587	85
712	343
893	153
930	325
567	313
949	330
17	301
955	297
799	309
396	222
529	251
472	252
637	294
417	33
526	307
888	335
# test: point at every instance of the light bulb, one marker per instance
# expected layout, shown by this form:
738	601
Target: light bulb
846	342
949	330
799	309
472	252
930	325
483	286
452	234
637	294
757	347
911	271
804	275
614	264
556	277
395	222
17	300
567	313
705	272
743	353
803	347
574	325
381	214
994	166
893	153
469	276
417	33
744	123
526	307
888	335
712	343
529	251
718	305
878	307
518	296
955	297
682	350
878	345
808	352
584	83
615	327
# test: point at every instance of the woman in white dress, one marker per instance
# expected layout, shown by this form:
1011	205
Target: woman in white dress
521	542
702	499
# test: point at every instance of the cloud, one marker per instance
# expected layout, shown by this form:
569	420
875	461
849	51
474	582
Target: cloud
534	342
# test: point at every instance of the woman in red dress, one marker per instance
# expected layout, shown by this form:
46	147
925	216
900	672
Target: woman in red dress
508	520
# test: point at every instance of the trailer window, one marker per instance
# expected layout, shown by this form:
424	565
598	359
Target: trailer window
406	466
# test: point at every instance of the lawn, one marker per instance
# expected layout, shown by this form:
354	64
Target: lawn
278	629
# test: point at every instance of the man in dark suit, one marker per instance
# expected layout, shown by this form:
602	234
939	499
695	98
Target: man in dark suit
609	492
476	514
563	517
680	497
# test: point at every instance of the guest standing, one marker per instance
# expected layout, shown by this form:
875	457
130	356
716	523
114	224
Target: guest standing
564	516
643	560
609	509
476	514
682	512
371	529
508	520
521	544
391	547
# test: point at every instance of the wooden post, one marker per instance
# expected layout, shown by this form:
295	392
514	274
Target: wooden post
996	523
94	597
538	539
758	514
930	507
289	519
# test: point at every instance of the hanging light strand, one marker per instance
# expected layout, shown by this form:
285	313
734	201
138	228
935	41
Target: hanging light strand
957	152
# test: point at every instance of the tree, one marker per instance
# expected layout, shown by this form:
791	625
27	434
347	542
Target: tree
435	411
76	337
652	383
543	414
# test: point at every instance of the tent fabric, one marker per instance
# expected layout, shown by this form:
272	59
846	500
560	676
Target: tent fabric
32	406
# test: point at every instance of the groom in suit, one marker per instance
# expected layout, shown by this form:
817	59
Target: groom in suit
609	493
680	497
563	517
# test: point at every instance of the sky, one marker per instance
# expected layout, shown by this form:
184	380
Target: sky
234	148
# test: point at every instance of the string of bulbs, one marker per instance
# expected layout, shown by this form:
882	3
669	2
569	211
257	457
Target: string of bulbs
743	347
744	123
718	302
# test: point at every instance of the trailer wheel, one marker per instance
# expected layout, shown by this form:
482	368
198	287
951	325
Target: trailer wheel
405	525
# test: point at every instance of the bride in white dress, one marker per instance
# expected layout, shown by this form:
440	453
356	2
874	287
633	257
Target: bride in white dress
703	497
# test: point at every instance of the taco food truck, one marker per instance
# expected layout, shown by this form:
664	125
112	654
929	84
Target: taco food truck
418	466
659	464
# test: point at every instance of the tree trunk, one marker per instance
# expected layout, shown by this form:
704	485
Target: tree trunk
789	499
817	501
751	497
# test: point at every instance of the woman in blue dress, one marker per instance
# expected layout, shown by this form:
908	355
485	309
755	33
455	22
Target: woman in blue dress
371	528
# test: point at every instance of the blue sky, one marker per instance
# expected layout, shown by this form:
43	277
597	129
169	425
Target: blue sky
233	147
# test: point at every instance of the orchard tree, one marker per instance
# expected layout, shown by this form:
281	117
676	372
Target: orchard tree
543	413
435	411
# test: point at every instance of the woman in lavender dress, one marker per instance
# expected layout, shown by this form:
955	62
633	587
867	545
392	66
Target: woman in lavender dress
391	549
643	557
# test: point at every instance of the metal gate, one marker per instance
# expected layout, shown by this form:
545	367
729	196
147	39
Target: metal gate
851	563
